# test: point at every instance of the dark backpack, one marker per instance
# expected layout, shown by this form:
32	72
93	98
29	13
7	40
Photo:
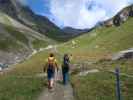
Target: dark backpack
66	65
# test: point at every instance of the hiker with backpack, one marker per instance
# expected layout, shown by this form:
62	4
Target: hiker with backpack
65	69
51	67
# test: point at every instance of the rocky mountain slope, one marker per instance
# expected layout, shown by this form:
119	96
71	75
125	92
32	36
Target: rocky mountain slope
17	39
22	31
120	17
26	16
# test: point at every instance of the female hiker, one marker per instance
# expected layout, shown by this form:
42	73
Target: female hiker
51	66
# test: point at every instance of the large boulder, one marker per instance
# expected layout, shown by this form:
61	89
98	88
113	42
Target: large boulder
117	20
131	12
126	54
3	66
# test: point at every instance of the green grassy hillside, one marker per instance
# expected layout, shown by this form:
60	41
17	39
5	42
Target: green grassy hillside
102	42
19	35
99	44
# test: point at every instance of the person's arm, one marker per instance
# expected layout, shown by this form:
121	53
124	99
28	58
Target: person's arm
67	61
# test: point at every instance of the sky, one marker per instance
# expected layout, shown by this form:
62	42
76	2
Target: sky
79	14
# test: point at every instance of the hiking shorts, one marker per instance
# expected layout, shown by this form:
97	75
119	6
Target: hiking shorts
50	74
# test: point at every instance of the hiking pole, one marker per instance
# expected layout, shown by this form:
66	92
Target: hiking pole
118	83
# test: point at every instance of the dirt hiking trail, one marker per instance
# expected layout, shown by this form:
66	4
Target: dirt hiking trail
60	92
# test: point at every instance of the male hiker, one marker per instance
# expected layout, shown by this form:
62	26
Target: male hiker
51	66
65	69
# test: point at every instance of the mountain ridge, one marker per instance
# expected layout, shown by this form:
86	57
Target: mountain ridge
18	36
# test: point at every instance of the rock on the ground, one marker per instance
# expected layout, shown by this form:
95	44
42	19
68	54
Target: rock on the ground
0	69
126	54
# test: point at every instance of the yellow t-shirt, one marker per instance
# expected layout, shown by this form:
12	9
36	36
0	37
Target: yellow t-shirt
50	59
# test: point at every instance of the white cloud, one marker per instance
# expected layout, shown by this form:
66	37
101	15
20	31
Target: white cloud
84	13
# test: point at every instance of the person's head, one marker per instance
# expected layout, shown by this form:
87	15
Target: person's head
51	55
66	56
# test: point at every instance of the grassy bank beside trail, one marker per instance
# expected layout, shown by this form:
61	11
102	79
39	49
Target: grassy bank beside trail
102	85
14	88
20	83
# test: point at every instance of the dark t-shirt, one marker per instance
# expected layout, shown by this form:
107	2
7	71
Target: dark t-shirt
66	65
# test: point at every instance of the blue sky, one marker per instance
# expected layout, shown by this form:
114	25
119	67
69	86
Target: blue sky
39	6
77	13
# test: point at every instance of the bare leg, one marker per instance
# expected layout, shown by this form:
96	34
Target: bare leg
52	83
